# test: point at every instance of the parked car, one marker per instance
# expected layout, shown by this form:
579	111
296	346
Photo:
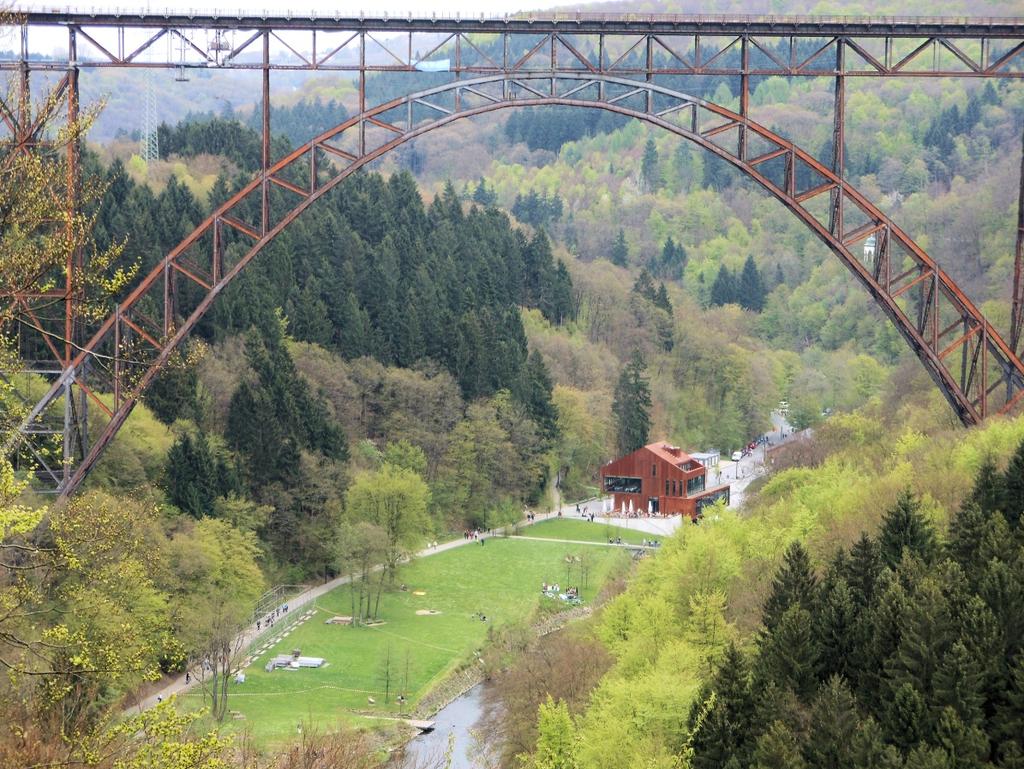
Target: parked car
737	456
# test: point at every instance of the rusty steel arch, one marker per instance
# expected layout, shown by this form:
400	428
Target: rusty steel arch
969	361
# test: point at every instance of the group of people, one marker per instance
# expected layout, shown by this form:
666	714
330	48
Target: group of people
268	621
473	534
555	591
654	542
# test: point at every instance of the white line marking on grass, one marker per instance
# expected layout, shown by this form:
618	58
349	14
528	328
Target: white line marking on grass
304	691
415	641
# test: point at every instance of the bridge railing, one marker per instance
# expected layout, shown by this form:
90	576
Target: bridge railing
125	13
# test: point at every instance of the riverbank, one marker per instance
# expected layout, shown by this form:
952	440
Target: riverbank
466	677
456	703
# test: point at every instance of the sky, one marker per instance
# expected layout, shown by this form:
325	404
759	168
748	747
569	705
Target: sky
46	41
323	7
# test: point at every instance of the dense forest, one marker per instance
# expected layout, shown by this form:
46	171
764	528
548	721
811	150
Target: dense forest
862	614
906	649
374	274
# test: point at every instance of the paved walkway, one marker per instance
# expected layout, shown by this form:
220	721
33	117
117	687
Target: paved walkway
585	542
661	526
177	684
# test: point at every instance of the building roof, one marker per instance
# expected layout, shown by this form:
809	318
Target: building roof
672	454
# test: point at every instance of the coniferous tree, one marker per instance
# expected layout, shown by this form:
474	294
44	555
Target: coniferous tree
789	655
885	633
989	489
778	748
254	431
924	757
726	730
862	570
966	533
907	717
838	631
311	321
723	290
191	475
672	261
270	419
632	406
535	395
620	250
958	684
172	393
650	170
904	527
561	296
965	745
926	634
834	724
869	751
483	195
1013	488
794	585
1002	588
1007	722
661	299
668	252
644	285
751	291
352	329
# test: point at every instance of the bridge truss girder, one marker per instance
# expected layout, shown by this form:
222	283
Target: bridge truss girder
591	60
975	369
617	46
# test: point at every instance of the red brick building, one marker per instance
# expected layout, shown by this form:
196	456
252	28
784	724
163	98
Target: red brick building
661	480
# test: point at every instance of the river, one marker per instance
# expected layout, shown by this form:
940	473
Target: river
457	718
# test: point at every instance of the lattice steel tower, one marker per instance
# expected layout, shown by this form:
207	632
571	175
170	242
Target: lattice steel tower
149	144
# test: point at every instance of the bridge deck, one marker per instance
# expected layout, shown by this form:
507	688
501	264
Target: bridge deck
567	22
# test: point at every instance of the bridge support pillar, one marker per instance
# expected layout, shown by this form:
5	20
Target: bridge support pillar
1017	308
835	219
75	427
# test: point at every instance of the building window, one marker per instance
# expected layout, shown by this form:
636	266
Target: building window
710	499
694	485
616	484
654	471
666	487
674	489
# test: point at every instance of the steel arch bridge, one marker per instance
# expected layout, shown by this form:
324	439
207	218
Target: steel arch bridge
977	371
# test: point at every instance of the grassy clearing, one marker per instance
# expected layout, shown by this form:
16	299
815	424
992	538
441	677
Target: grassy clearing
579	529
500	579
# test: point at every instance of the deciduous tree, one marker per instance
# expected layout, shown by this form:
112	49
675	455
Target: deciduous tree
218	582
396	500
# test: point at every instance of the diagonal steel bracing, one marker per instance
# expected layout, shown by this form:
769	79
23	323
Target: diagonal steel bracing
604	61
939	323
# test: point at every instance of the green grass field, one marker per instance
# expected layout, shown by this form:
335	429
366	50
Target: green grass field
501	579
579	529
